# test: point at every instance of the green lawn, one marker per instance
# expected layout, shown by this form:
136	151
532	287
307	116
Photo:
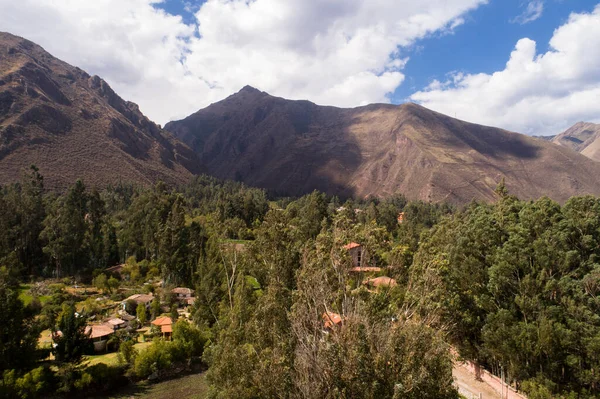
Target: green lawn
26	297
191	386
110	359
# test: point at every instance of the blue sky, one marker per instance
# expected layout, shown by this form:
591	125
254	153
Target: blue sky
485	61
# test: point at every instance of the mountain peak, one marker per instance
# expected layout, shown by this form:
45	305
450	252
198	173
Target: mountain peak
250	89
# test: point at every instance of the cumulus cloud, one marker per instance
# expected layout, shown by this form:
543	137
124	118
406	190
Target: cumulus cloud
535	93
533	10
332	52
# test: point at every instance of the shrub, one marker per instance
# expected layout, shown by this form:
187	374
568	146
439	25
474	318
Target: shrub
157	357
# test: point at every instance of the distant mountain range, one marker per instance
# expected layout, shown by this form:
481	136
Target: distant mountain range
293	147
73	125
582	137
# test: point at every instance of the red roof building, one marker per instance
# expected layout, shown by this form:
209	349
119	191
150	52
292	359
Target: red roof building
331	319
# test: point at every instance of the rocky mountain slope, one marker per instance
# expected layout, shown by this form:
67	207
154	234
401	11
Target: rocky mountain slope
293	147
72	125
582	137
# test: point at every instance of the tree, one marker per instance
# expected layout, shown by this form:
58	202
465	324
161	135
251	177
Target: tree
19	333
70	337
101	282
174	313
141	313
65	229
155	308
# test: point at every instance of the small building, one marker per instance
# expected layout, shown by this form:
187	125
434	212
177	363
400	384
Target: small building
381	282
401	218
117	323
183	293
357	253
145	299
166	326
100	334
114	269
332	320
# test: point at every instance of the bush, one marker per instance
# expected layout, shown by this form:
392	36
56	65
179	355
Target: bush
33	384
127	352
157	357
131	307
189	338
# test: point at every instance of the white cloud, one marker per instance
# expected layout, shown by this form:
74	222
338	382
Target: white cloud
533	11
535	93
333	52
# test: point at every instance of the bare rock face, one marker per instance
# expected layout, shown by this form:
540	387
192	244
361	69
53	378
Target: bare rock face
582	137
73	125
294	147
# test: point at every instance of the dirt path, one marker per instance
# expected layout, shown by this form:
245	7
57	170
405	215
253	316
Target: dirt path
469	387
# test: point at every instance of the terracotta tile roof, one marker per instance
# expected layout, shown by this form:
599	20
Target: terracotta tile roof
382	281
365	269
99	330
167	328
352	245
162	321
331	319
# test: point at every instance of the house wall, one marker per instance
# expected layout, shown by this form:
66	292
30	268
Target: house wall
358	255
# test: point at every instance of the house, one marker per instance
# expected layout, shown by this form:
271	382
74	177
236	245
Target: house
401	218
331	320
145	299
100	334
117	323
357	253
114	269
166	326
183	293
381	282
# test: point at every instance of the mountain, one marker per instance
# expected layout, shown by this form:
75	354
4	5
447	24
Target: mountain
72	125
582	137
293	147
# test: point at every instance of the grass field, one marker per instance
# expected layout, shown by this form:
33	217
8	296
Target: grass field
110	359
192	386
26	297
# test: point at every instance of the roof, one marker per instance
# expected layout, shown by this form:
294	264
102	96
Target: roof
140	298
382	281
365	269
167	328
116	321
330	319
182	290
99	330
115	269
162	321
352	245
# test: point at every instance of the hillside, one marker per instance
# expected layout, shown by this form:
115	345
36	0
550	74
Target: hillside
73	125
293	147
582	137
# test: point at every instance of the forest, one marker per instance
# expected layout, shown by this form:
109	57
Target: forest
281	309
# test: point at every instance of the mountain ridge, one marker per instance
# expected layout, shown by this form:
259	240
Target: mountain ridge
294	146
73	125
583	137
